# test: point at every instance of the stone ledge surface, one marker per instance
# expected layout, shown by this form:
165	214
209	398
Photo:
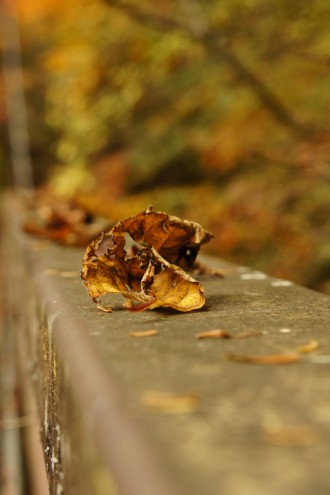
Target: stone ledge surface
256	429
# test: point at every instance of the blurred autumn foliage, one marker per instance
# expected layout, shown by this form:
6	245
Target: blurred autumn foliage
216	111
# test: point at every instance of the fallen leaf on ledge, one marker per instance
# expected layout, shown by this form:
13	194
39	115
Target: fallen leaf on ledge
105	309
264	359
170	403
61	221
311	347
144	333
223	334
213	334
153	276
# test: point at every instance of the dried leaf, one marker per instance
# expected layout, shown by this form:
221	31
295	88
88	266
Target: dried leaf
265	359
105	309
213	334
223	334
61	221
146	278
311	347
144	333
170	403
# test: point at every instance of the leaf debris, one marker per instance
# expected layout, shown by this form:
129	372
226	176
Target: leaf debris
64	222
105	309
144	333
213	334
223	334
264	359
312	346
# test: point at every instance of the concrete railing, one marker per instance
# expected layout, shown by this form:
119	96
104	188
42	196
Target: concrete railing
170	413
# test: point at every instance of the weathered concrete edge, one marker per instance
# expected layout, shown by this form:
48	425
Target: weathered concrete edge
121	444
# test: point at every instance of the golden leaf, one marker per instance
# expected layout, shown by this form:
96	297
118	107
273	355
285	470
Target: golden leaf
144	333
146	278
311	347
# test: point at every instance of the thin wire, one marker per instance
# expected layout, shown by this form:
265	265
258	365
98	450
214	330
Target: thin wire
22	169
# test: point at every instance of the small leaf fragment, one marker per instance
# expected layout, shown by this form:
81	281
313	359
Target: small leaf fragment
144	333
223	334
307	348
264	359
105	309
170	403
213	334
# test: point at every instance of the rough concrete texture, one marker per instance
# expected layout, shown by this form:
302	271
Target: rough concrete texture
254	429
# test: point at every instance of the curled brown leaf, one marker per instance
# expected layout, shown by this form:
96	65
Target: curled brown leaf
153	275
176	240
